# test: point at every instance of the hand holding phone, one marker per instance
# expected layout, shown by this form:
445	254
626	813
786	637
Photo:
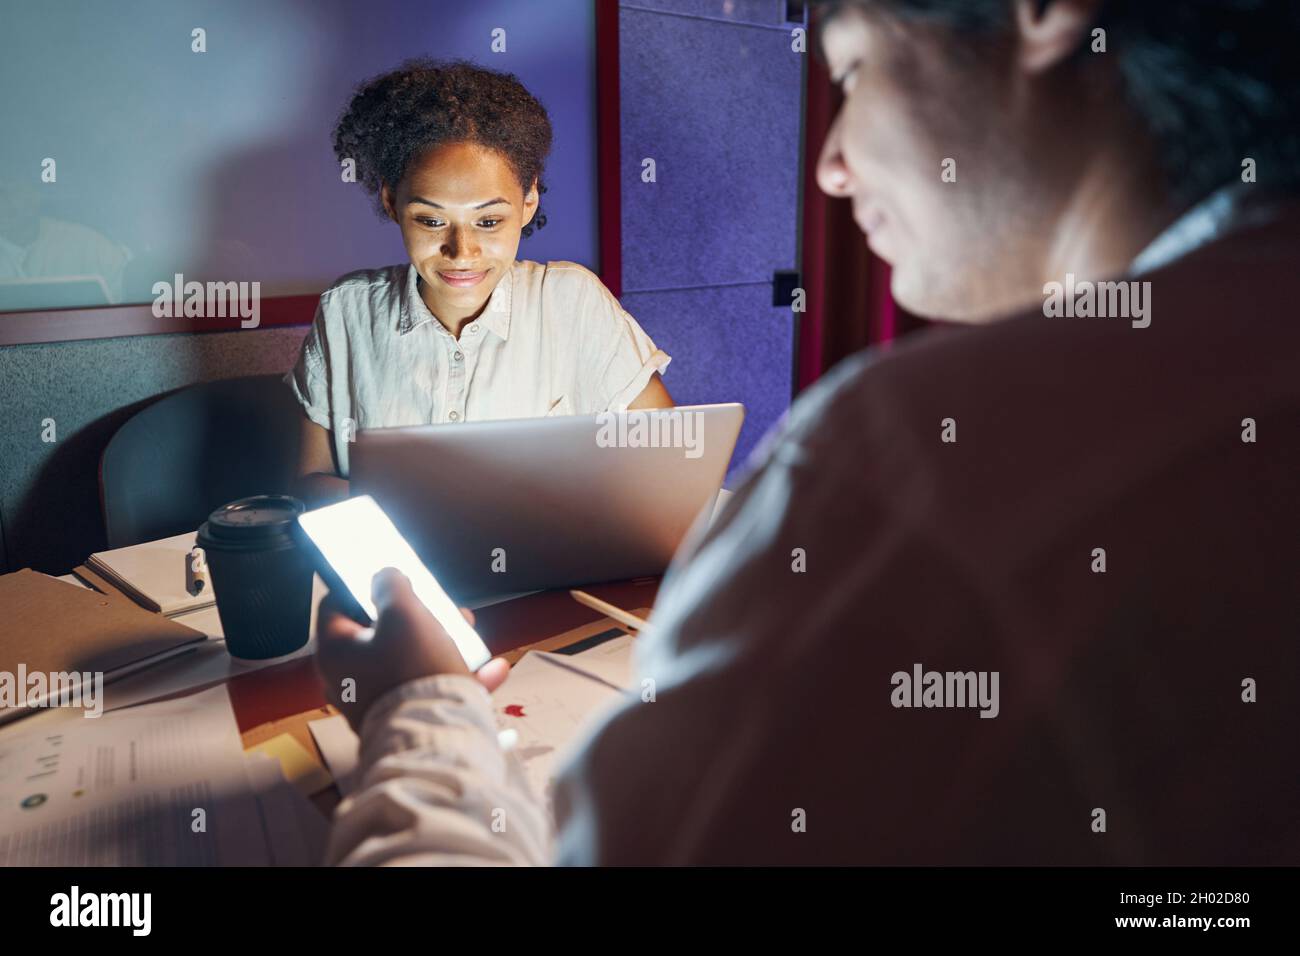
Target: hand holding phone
355	540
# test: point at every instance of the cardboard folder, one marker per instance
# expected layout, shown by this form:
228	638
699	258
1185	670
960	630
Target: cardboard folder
51	626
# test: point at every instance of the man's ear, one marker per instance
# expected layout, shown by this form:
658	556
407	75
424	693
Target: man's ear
386	197
531	198
1049	31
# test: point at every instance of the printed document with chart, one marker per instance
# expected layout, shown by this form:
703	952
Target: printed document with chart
160	784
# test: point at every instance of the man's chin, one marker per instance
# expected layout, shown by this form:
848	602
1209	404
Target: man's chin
916	294
930	295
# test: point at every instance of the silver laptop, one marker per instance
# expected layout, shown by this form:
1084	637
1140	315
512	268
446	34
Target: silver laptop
496	507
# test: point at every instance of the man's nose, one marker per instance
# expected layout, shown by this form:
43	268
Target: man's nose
833	175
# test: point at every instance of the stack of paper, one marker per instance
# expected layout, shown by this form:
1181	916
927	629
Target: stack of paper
296	832
547	702
76	637
153	574
161	784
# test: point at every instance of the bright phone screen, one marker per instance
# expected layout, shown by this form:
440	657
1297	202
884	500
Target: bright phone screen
358	540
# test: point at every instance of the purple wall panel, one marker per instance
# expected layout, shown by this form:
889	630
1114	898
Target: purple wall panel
767	12
716	106
711	91
729	344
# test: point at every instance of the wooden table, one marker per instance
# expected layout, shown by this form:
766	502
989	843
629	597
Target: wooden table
283	698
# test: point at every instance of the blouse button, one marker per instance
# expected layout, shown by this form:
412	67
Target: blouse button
458	356
454	416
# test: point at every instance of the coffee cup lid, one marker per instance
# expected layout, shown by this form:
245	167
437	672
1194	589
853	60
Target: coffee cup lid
254	519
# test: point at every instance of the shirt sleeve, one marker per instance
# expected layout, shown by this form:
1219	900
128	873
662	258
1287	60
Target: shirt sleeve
309	378
620	356
436	787
319	381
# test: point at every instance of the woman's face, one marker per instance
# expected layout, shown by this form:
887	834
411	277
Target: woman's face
461	211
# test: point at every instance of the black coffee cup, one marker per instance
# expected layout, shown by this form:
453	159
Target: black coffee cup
262	577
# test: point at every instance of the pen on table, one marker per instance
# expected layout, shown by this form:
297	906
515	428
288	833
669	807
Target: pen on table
196	571
626	618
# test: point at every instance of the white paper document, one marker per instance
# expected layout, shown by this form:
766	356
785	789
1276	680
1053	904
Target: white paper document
551	700
340	747
158	785
609	661
547	702
296	832
153	573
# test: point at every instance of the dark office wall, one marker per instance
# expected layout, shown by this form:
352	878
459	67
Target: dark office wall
711	91
49	491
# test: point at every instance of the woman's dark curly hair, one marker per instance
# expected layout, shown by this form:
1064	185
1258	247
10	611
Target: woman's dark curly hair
395	118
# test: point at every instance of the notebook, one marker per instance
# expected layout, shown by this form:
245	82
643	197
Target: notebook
153	574
52	627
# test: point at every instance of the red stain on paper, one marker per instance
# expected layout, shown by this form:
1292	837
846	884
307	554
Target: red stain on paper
515	710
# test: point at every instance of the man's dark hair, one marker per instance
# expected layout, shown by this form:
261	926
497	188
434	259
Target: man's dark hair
395	118
1216	81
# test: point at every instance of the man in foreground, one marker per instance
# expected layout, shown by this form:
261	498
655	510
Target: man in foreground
1022	592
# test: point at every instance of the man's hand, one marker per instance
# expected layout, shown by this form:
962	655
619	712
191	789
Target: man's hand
405	644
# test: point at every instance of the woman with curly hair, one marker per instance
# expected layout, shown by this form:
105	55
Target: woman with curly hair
453	154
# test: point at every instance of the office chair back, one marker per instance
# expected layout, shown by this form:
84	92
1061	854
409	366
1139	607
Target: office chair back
172	463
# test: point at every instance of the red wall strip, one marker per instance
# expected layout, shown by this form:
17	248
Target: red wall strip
817	120
609	198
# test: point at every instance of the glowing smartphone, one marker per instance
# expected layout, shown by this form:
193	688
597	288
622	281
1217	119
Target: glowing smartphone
356	540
